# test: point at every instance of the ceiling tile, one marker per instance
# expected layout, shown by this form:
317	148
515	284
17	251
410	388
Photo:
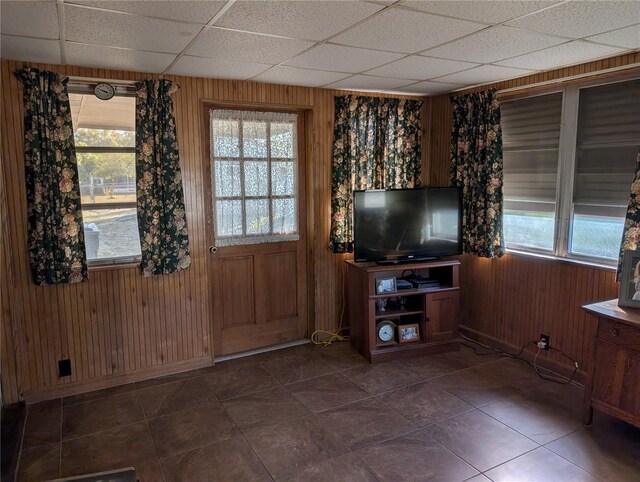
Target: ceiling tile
216	68
580	18
32	19
492	44
570	53
246	47
294	76
186	11
484	74
399	30
341	59
489	11
30	49
628	37
115	58
430	88
128	31
416	67
368	82
315	20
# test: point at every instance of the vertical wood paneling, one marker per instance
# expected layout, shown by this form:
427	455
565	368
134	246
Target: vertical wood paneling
516	298
120	326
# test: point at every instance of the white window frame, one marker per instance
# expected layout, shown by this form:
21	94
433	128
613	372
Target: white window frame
123	89
566	175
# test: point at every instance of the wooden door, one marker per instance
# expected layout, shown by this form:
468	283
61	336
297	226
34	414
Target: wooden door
441	315
259	288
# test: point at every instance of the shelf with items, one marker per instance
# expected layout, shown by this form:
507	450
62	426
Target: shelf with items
434	310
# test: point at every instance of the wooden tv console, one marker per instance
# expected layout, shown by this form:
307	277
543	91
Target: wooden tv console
435	310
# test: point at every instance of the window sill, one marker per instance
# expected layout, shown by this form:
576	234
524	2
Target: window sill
114	266
551	257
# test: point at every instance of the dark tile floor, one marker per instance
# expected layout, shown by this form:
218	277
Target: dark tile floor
313	413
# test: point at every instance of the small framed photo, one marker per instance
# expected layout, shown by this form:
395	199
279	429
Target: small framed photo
630	280
408	333
385	285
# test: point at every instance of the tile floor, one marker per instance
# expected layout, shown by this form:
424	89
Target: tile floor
313	413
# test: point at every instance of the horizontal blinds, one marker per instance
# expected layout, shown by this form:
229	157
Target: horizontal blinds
607	144
531	139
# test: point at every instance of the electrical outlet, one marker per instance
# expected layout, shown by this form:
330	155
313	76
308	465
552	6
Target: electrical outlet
64	368
546	340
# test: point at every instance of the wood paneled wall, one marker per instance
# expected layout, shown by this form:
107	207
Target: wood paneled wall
120	326
512	300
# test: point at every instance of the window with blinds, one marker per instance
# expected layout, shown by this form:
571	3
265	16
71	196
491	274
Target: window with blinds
608	136
569	161
531	140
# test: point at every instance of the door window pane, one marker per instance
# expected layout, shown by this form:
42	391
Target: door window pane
282	139
227	179
254	139
256	180
282	178
229	218
284	219
225	138
257	216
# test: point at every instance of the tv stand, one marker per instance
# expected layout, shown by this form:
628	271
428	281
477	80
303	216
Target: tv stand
435	310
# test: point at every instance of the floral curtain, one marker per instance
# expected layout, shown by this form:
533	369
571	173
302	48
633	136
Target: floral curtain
376	145
54	215
476	167
162	223
631	233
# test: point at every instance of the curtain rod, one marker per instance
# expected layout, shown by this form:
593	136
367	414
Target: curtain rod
568	79
115	82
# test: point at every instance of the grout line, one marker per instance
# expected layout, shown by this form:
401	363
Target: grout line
146	422
62	31
61	429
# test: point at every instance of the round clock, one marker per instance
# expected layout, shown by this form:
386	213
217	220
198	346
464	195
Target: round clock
104	91
385	331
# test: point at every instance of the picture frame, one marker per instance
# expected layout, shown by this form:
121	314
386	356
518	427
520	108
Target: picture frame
386	285
629	296
408	333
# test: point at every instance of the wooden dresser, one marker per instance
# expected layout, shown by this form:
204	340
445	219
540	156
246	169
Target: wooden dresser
613	383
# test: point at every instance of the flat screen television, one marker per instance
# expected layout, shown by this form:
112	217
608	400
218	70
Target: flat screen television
404	225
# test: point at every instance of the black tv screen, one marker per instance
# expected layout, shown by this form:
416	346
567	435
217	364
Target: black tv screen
406	224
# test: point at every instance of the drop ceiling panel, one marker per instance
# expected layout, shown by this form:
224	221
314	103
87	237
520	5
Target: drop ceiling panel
495	43
116	58
484	74
294	76
628	37
488	11
248	47
216	68
367	82
429	88
566	54
341	59
129	31
416	67
579	19
399	30
31	19
30	49
187	11
315	20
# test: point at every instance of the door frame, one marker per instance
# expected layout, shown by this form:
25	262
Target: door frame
306	138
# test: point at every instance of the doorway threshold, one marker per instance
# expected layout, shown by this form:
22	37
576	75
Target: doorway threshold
257	351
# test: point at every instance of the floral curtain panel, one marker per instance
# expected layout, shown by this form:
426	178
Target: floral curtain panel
376	145
476	167
54	215
631	233
162	222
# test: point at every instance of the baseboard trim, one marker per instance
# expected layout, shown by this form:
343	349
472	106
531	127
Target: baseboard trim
83	386
562	369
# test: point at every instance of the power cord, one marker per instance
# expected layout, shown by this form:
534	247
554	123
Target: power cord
333	336
561	381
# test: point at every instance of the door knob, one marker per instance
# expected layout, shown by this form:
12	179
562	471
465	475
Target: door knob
213	249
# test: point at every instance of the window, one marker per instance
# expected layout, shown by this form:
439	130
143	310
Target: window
104	134
569	159
254	170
